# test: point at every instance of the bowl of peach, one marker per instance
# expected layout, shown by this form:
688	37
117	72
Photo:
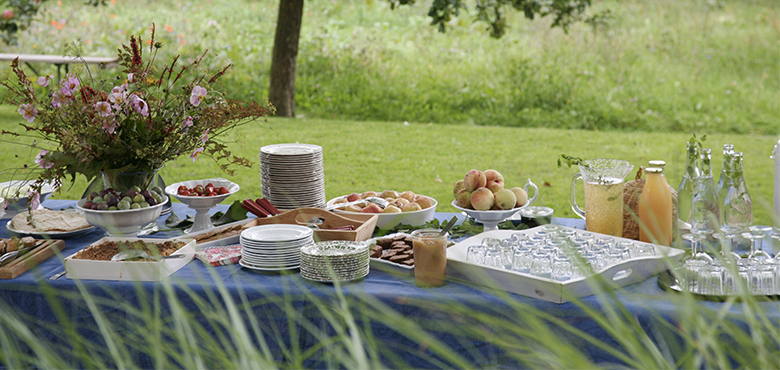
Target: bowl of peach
403	207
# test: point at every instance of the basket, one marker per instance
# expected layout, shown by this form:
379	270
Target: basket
364	224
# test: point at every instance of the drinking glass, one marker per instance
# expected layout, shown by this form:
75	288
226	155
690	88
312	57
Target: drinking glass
612	259
491	242
729	233
541	264
493	258
476	254
756	236
430	257
762	278
695	240
643	250
521	260
561	268
711	279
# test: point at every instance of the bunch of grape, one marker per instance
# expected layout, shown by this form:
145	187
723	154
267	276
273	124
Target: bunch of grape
134	198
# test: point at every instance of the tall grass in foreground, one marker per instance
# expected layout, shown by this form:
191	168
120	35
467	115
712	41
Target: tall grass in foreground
155	327
661	65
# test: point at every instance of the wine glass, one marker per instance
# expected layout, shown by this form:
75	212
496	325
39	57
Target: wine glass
695	237
756	236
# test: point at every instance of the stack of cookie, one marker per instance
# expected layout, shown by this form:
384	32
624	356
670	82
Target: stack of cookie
396	249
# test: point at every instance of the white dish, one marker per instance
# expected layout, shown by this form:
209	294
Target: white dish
291	149
260	268
388	266
389	220
49	234
277	232
122	222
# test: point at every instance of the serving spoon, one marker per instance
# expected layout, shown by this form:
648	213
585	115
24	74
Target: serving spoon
376	200
133	254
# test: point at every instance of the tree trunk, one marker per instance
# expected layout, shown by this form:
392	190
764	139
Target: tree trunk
288	30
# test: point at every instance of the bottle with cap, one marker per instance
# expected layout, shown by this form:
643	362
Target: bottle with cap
725	178
662	165
737	204
655	209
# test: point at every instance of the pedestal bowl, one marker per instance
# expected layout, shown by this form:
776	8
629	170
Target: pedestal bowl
202	204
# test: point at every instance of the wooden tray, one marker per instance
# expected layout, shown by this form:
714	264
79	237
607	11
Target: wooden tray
364	224
43	250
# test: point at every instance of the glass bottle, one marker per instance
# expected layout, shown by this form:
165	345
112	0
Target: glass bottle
706	207
724	181
685	191
737	205
655	209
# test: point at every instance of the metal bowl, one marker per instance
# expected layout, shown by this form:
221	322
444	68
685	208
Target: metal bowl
122	222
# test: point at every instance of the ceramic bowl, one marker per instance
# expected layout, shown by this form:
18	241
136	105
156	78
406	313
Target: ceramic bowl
122	222
389	220
202	202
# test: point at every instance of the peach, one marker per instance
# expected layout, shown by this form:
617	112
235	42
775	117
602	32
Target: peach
521	195
372	208
389	194
367	194
482	199
424	201
474	180
463	198
408	195
505	199
353	197
494	180
456	187
8	14
353	208
411	207
391	209
401	202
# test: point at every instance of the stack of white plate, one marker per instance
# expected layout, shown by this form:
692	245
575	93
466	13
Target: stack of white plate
334	261
274	247
292	175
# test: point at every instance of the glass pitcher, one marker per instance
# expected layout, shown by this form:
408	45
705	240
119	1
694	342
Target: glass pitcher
603	179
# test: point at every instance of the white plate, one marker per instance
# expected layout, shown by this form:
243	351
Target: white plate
317	278
277	232
291	149
260	268
388	266
49	234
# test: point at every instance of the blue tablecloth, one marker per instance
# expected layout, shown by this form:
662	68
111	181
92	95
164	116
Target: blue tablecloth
291	315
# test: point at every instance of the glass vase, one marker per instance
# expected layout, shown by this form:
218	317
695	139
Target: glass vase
127	180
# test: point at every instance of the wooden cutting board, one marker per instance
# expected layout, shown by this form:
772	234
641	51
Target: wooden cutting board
43	250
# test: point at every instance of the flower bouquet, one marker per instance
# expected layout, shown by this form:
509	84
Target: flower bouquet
134	123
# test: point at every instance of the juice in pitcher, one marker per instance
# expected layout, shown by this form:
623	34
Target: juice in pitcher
604	207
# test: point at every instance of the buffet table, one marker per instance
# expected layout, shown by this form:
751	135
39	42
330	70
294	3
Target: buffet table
290	317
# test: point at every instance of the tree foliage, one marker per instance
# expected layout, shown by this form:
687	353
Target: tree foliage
493	12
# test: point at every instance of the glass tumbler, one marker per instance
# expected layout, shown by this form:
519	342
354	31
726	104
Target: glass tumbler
541	264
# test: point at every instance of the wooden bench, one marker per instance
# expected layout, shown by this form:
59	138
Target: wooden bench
59	61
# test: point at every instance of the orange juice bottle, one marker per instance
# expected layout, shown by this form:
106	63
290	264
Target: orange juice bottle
655	209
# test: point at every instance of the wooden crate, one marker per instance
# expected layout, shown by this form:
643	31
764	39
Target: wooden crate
43	251
364	224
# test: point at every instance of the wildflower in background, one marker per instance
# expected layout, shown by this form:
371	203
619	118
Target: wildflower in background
187	123
110	127
198	93
194	154
205	137
56	100
71	84
212	23
44	80
35	199
139	105
42	163
28	111
103	109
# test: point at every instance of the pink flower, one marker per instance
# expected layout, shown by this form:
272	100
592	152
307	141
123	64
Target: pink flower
42	163
110	127
198	93
56	101
44	80
103	109
205	137
28	111
139	105
194	154
117	98
119	89
212	23
35	202
187	122
67	93
131	77
71	84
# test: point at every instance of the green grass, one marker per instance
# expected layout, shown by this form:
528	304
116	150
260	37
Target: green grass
428	158
664	65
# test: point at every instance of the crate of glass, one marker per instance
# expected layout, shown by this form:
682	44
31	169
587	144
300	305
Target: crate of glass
556	263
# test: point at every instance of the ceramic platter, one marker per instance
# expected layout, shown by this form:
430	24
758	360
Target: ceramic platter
292	175
49	234
336	260
274	247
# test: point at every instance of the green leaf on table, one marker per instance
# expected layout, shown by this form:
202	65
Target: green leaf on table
233	214
175	222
